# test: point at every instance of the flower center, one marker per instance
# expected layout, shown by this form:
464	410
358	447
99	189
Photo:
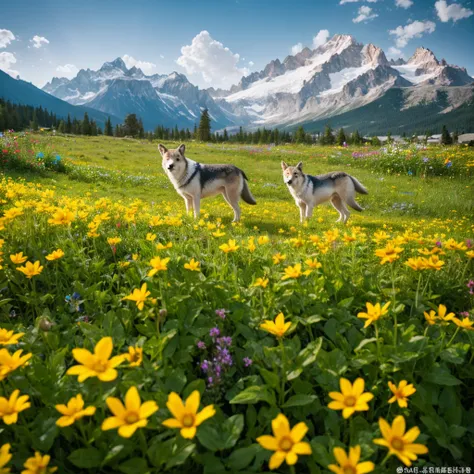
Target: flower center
131	417
350	470
350	401
188	420
286	444
398	444
100	366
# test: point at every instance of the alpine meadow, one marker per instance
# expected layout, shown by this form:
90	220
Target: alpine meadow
177	293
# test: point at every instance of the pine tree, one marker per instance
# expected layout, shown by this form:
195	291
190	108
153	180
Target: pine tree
341	137
86	125
108	128
328	137
61	127
445	136
226	135
204	129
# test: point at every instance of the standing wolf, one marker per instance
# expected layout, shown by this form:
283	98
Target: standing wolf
194	181
310	191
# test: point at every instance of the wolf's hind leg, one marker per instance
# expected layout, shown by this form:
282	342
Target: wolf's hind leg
232	198
340	207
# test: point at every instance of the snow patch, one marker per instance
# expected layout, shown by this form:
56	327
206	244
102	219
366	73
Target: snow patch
408	72
341	78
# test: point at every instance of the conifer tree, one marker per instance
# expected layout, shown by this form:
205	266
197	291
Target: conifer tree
204	129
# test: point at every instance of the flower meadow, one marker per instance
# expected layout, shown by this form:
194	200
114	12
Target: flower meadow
135	339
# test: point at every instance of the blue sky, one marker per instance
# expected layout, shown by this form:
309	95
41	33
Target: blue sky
87	33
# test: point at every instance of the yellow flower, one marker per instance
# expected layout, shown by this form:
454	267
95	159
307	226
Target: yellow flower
114	240
432	316
158	265
401	392
277	258
218	233
193	265
229	246
351	398
31	269
62	217
186	416
417	263
5	457
18	258
294	272
263	239
465	323
96	364
434	263
150	237
139	296
129	417
451	244
251	245
10	407
263	282
73	411
349	463
313	263
374	313
55	255
134	356
278	327
285	442
160	246
400	443
470	253
8	337
38	465
10	362
389	253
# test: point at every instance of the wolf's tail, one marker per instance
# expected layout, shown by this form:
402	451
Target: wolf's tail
246	194
358	186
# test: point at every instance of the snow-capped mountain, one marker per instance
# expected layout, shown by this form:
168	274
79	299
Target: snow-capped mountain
158	99
339	76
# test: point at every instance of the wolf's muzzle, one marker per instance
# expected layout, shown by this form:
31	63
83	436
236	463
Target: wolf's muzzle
289	182
170	167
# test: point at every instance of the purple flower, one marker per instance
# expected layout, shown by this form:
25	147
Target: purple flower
439	244
468	243
470	284
426	159
464	314
214	332
204	365
221	313
201	345
210	380
225	341
247	361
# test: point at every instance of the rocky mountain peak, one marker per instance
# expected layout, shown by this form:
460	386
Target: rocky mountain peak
115	64
423	57
374	55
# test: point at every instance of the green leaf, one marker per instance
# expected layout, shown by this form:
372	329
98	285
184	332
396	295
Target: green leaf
364	342
441	376
241	458
86	458
254	394
134	465
271	378
299	400
181	455
233	428
197	384
320	454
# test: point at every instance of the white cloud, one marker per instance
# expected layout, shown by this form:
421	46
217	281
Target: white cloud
145	66
210	62
6	37
251	63
68	70
395	53
297	48
6	60
403	3
365	14
454	12
320	38
415	29
342	2
38	41
161	56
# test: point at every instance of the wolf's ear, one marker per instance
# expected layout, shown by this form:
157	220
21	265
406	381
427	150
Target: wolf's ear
162	149
182	149
300	166
283	166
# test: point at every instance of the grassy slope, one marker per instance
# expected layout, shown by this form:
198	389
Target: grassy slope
430	198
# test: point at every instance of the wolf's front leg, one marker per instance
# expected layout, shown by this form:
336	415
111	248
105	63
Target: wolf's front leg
197	206
309	211
302	206
189	204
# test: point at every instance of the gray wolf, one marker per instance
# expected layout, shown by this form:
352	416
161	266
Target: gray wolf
194	181
310	191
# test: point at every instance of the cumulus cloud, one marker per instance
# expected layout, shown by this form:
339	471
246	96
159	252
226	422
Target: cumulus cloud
415	29
342	2
145	66
6	61
6	37
320	38
365	14
395	52
68	70
210	62
454	12
251	63
403	3
297	48
38	41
